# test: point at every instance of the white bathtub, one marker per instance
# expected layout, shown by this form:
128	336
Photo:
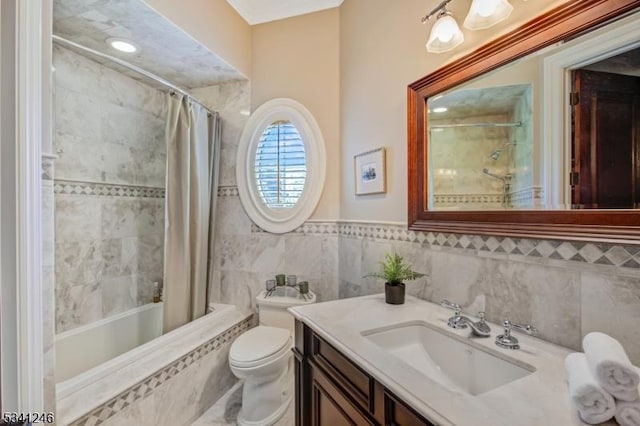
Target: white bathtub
94	390
85	347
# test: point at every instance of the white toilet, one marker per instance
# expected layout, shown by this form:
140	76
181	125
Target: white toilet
262	357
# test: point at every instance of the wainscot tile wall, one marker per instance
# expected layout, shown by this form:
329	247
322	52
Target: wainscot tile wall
565	289
109	190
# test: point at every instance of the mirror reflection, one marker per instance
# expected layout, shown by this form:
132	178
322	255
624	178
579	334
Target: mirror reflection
486	137
480	148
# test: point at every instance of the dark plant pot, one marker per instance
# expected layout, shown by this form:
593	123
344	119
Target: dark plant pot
394	294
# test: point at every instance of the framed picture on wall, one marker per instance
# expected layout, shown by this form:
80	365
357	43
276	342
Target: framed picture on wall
370	172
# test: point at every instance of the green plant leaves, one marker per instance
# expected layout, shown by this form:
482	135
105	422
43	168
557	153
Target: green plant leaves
394	269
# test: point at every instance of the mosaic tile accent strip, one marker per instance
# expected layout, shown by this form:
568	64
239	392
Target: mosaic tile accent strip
575	251
307	228
467	199
108	189
228	191
148	385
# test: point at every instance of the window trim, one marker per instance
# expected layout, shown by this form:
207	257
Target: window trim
279	221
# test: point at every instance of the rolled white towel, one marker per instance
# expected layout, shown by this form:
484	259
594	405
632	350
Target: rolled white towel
610	364
628	413
594	404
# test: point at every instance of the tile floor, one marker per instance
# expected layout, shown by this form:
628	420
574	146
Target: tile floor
225	410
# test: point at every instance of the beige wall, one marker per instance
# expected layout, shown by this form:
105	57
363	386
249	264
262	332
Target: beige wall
215	24
381	52
298	58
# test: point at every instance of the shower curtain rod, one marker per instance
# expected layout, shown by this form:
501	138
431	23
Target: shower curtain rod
68	43
448	126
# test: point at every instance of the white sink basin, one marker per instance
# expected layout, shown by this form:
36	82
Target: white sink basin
447	358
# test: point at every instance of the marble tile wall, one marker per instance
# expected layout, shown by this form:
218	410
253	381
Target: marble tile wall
109	190
48	284
245	256
565	289
462	153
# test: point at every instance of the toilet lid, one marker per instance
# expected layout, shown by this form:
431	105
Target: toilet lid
258	344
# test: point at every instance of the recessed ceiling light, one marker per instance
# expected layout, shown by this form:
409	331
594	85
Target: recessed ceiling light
440	109
122	45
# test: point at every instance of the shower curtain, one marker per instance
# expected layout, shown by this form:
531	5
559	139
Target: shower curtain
193	157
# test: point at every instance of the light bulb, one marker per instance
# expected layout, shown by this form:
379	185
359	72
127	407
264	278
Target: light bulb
486	13
447	29
445	34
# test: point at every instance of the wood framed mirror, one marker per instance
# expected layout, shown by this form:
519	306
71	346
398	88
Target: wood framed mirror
556	217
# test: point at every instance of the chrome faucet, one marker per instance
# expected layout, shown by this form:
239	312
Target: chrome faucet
506	340
456	320
479	328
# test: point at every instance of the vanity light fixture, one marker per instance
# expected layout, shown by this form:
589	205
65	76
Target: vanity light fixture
440	109
445	34
486	13
122	45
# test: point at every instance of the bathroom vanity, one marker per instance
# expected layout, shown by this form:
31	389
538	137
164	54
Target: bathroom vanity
362	361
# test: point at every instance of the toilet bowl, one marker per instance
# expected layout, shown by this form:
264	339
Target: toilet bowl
262	357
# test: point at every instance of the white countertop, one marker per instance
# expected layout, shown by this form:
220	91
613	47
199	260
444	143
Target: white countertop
541	398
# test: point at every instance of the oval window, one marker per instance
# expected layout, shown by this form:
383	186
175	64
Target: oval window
280	167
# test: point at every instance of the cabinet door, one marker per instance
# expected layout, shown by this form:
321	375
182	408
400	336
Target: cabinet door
330	407
398	414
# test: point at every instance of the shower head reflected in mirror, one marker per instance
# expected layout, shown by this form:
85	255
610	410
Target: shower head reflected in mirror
498	152
505	178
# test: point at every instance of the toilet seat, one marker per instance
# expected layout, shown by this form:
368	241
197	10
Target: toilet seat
259	346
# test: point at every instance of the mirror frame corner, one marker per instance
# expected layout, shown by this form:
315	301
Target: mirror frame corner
568	20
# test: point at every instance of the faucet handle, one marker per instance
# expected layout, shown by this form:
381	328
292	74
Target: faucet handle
450	305
506	340
481	316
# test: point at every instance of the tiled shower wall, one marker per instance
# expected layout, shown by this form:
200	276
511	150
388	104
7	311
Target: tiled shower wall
109	190
462	153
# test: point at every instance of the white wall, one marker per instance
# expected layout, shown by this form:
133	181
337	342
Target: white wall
298	58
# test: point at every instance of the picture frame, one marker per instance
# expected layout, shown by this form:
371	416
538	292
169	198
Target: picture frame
370	172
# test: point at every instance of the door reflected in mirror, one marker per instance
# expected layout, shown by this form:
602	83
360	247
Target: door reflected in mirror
606	123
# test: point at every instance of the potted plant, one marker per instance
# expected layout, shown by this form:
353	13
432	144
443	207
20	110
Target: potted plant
394	270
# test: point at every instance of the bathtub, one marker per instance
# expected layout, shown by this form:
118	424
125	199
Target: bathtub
182	363
88	346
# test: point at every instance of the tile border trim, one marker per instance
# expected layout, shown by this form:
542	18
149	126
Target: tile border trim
149	384
70	187
624	256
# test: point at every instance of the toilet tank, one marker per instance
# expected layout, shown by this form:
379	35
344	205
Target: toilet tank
272	306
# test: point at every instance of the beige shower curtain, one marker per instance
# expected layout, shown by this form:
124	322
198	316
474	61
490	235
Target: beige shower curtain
193	156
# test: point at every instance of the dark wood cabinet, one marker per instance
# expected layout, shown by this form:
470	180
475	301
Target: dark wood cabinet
332	390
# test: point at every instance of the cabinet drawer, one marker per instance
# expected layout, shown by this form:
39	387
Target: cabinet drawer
353	381
397	413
